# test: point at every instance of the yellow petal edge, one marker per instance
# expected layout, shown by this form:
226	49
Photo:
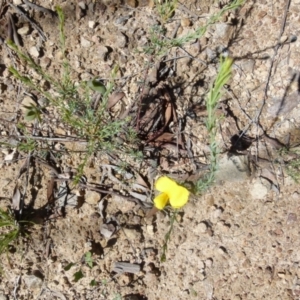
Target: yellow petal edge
165	184
179	197
161	200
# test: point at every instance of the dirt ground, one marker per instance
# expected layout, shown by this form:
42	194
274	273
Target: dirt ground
239	239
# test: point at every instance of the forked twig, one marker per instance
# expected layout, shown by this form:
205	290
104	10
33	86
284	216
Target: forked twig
141	97
17	281
40	8
34	25
272	60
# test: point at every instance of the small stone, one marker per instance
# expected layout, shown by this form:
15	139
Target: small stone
200	228
203	41
132	234
95	216
121	41
208	263
96	39
34	51
59	55
3	296
283	39
150	230
233	169
107	230
17	2
261	14
185	22
45	62
248	65
102	52
85	76
292	218
201	265
84	42
2	88
258	191
92	197
43	102
215	215
92	24
33	282
201	276
136	220
82	5
152	76
222	251
24	30
149	3
131	3
221	30
121	20
111	8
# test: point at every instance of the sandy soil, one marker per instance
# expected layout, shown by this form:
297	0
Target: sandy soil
240	239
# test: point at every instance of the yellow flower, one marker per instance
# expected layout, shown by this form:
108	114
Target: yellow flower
170	191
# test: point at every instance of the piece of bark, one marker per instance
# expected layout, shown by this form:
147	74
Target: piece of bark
124	267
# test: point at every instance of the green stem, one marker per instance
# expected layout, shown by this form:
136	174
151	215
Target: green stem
168	236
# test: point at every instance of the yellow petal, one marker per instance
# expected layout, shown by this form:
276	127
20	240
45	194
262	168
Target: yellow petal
179	196
161	200
165	185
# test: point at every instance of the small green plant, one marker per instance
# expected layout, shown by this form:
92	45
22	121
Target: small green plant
76	104
78	275
293	169
32	112
292	166
10	230
159	44
212	101
165	9
89	259
117	297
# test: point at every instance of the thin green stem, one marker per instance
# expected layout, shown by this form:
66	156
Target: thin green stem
168	236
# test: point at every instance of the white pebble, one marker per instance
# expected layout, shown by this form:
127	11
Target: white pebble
84	42
34	51
92	24
24	30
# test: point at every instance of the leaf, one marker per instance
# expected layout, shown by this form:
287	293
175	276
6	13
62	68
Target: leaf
93	282
107	230
168	113
78	275
96	86
165	137
114	98
30	117
89	259
32	112
16	199
140	181
50	190
69	266
139	196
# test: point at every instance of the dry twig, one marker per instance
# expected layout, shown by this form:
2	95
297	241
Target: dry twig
40	8
33	24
